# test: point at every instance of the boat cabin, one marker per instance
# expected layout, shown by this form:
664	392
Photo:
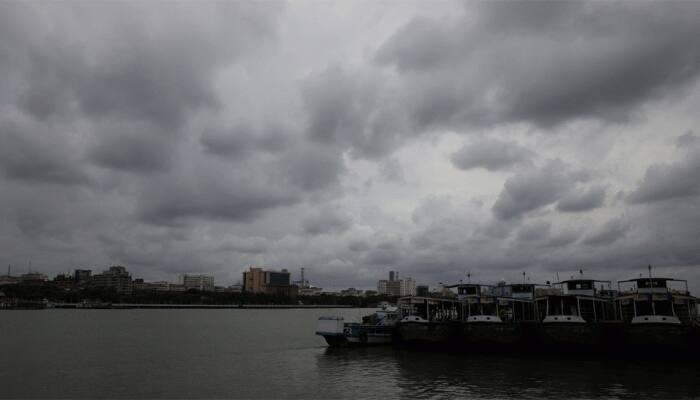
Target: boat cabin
516	302
429	309
467	290
579	301
652	300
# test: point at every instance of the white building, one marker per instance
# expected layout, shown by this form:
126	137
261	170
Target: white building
407	287
396	287
200	282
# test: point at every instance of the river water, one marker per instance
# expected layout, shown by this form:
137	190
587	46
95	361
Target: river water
275	354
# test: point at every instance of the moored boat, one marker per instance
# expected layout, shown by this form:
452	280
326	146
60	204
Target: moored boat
657	317
376	328
573	315
428	321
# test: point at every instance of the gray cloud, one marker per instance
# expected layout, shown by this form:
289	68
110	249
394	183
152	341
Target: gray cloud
492	155
244	140
326	221
33	152
349	109
534	231
529	191
582	200
212	192
612	231
543	63
132	147
179	138
669	181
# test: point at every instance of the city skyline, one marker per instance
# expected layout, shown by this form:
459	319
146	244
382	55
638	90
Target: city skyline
352	139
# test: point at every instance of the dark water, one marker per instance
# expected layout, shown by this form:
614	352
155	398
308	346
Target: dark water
274	354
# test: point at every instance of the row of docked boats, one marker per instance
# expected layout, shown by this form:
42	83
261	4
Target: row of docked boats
647	315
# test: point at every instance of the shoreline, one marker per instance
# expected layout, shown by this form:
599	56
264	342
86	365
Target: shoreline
127	306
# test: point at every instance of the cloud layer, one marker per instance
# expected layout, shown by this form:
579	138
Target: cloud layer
486	137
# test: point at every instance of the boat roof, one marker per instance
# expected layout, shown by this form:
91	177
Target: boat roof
434	300
464	284
582	280
653	278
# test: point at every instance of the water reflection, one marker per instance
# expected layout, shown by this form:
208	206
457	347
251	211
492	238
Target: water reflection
401	373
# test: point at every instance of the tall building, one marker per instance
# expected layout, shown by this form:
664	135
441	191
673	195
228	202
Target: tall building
199	282
389	287
407	287
258	280
82	276
115	278
395	286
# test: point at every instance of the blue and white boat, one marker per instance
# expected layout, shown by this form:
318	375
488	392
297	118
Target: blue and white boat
376	328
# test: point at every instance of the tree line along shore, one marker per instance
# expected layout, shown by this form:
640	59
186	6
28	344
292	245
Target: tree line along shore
27	294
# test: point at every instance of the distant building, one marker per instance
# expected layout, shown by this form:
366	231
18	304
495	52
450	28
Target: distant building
389	287
395	286
115	278
310	291
407	287
64	281
199	282
82	276
258	280
9	280
237	288
423	291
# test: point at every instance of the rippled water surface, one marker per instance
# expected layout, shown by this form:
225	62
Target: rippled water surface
275	354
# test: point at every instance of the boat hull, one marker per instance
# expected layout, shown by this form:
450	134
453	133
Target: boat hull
486	336
429	334
571	337
660	338
360	334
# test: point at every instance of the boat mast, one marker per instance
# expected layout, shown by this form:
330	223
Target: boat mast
651	293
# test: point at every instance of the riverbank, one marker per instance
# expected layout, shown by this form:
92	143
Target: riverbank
193	306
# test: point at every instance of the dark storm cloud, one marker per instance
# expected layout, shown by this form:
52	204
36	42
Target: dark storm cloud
582	200
212	192
326	221
244	140
668	181
534	231
543	62
610	232
181	137
132	147
350	110
34	152
312	167
121	61
529	191
492	155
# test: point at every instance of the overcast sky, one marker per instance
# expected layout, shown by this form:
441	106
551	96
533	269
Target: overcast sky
351	138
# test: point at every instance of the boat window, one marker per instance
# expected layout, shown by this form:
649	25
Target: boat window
644	308
468	290
580	285
651	283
